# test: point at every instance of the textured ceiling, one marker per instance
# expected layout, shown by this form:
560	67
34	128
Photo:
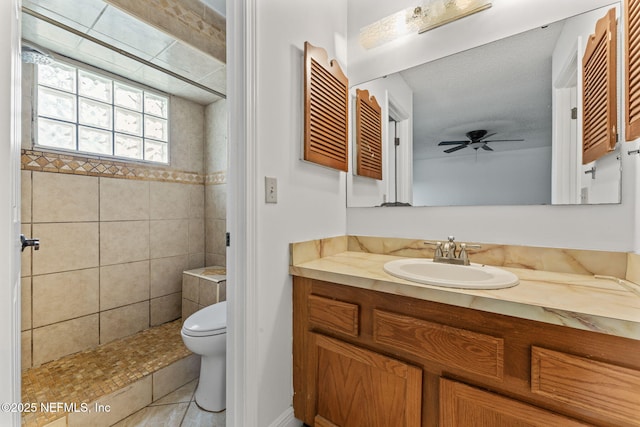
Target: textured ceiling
121	30
502	87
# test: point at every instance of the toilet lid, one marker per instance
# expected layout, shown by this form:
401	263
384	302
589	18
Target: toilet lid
211	320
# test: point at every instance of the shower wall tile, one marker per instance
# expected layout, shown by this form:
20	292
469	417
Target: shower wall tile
169	200
222	291
123	321
196	201
122	403
166	275
169	238
25	341
166	308
196	235
188	153
57	340
214	259
26	255
216	136
216	201
123	199
197	261
64	198
124	241
190	287
173	376
65	247
188	308
25	196
25	299
123	284
208	293
219	229
52	294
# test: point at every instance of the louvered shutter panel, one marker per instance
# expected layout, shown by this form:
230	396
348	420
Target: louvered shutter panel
368	135
632	50
326	115
599	90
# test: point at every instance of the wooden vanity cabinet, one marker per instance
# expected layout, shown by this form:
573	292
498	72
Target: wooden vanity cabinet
363	358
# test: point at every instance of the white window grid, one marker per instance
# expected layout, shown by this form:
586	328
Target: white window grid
153	148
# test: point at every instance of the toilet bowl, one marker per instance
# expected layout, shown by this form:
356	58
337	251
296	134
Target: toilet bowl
205	333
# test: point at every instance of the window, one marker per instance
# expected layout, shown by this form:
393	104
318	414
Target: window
83	111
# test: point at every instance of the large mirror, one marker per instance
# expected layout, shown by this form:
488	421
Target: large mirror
499	124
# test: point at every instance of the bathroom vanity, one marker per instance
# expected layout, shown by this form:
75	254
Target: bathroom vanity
374	350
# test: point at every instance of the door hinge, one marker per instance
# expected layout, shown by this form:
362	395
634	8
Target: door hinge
574	113
396	141
228	239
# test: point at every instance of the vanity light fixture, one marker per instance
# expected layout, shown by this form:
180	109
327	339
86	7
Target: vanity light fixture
424	17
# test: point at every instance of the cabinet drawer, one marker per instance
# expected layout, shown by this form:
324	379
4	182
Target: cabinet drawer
463	405
607	389
470	351
333	316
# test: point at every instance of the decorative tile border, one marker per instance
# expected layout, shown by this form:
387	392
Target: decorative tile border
216	178
63	163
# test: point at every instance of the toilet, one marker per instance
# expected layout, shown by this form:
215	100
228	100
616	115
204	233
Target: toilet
205	333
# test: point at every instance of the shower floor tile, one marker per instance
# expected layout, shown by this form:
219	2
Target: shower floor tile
86	376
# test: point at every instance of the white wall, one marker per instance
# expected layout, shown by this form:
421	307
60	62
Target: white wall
511	177
606	227
311	199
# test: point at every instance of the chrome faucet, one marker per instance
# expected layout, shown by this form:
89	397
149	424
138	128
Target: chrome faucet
447	253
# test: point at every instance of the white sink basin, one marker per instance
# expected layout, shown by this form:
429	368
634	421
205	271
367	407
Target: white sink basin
474	276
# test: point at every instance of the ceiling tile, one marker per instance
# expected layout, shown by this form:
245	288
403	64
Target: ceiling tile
216	80
185	60
79	14
49	36
106	59
124	31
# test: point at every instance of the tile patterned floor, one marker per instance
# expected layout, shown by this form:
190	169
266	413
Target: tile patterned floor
89	375
177	409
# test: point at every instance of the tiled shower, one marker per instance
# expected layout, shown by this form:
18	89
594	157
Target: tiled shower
116	237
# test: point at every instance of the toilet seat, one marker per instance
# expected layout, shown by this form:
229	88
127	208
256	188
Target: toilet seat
211	320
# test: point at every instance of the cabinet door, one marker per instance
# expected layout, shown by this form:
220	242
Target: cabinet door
462	405
360	388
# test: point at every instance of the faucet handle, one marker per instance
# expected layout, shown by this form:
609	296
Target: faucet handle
438	250
464	256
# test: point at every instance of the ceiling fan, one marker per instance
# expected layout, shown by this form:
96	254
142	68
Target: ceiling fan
477	139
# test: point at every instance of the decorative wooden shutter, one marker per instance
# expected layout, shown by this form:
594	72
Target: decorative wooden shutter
599	85
632	49
326	94
368	135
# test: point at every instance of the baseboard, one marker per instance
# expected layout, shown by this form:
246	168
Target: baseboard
286	419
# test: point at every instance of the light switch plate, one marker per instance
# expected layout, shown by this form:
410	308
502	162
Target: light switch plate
270	190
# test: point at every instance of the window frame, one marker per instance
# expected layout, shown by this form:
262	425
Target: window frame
114	78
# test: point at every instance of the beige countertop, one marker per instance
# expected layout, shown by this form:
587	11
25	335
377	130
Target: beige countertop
579	301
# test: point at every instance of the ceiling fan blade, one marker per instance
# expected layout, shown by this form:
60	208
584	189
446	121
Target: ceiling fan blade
453	142
486	147
485	137
451	150
505	140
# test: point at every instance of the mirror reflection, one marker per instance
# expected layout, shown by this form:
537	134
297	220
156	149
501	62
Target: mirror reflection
500	124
